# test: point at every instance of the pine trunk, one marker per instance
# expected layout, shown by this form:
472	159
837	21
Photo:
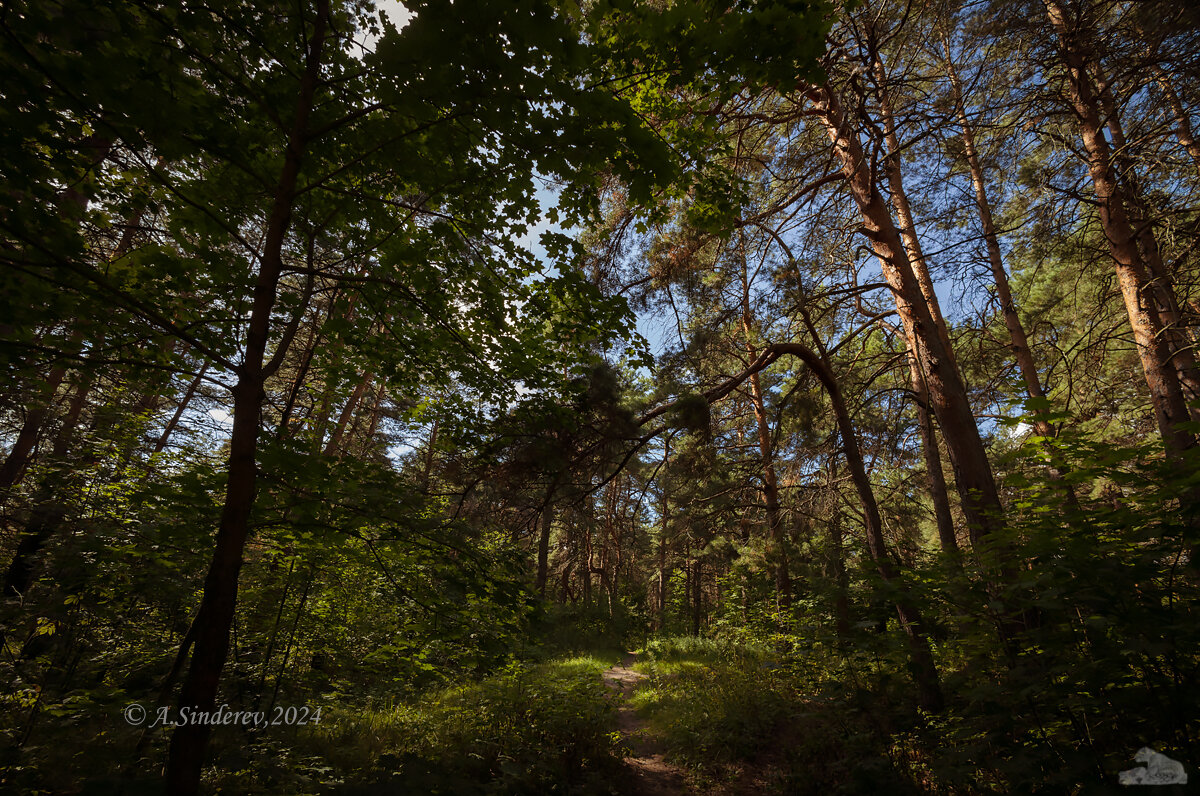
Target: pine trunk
1166	392
948	395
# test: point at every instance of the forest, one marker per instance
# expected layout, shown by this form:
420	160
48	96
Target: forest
599	396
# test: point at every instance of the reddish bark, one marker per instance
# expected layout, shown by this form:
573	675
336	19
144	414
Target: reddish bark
1166	393
947	393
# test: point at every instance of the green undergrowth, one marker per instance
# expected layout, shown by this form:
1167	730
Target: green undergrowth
711	703
559	630
528	728
742	717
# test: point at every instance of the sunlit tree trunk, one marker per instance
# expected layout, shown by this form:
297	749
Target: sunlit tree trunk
1166	392
1162	282
1183	123
948	395
1018	340
1008	308
894	171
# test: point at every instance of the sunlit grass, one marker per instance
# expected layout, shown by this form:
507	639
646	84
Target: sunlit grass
521	728
591	663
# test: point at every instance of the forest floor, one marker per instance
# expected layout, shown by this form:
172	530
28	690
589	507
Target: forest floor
653	774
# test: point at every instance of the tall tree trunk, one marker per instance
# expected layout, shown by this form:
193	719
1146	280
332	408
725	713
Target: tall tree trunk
1183	123
287	651
19	456
1018	340
271	639
73	204
938	492
894	171
21	453
1162	282
219	601
334	446
618	551
770	493
837	572
50	503
301	377
948	395
545	521
775	528
430	447
664	573
697	596
1166	392
1008	308
188	395
586	526
376	415
924	671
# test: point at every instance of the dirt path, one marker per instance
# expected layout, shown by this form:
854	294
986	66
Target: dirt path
653	774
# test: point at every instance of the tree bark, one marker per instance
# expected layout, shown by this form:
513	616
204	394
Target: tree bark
169	429
697	596
924	670
333	447
218	604
36	414
21	453
770	493
1162	282
1166	393
50	504
948	395
546	521
1018	340
894	171
1183	124
837	567
938	493
1008	308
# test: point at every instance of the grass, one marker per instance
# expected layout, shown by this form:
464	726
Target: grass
529	728
711	702
740	715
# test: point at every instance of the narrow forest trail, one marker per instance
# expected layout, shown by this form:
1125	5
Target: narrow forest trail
652	773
